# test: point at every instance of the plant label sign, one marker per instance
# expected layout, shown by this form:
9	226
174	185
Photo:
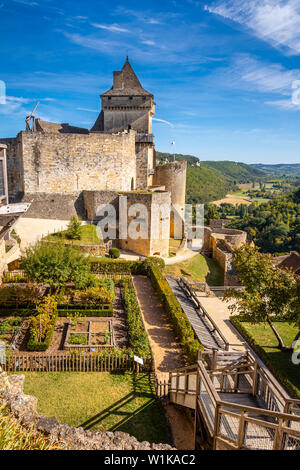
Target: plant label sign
139	360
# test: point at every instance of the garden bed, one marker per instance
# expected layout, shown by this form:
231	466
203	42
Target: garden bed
9	329
89	335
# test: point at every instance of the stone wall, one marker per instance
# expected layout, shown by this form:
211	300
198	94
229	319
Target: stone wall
144	163
24	408
65	163
156	241
173	177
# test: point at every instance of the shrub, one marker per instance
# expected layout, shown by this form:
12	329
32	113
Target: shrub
42	325
111	266
56	264
114	253
74	229
137	334
154	261
34	345
177	317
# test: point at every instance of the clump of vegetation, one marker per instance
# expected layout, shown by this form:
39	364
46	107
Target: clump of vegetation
77	338
274	226
114	253
13	436
268	293
56	264
154	261
74	229
42	325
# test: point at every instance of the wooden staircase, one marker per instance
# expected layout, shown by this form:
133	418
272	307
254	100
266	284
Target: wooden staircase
236	403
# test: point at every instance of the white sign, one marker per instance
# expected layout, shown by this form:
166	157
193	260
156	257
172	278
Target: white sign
2	353
139	360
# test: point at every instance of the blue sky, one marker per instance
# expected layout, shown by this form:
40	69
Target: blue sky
221	71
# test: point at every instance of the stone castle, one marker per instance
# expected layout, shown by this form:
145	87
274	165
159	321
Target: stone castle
65	170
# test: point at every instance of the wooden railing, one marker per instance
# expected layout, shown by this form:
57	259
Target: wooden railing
213	327
72	363
237	426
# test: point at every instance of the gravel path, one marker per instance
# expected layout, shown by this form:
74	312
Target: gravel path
167	356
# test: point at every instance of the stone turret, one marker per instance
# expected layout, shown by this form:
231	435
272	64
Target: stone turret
126	104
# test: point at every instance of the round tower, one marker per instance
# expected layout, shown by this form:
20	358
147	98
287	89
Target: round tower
173	177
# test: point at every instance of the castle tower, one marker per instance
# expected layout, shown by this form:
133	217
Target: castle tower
173	176
127	105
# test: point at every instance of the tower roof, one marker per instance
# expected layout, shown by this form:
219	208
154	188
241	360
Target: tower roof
126	83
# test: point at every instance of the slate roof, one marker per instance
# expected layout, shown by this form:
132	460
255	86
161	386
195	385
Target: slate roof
291	262
132	85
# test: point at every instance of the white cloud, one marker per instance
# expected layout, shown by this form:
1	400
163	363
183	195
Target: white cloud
148	42
114	28
246	72
88	110
163	121
275	21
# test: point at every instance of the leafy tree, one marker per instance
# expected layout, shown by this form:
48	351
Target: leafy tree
74	229
40	324
56	264
267	293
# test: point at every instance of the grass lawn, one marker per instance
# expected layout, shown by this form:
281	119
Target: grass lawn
198	269
104	401
282	360
89	236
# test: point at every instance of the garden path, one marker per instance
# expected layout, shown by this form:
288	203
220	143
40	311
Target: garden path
167	356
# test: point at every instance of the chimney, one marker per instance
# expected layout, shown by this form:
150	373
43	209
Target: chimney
118	80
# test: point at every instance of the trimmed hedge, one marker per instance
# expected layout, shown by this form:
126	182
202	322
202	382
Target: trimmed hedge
286	383
87	313
137	334
110	266
33	345
178	318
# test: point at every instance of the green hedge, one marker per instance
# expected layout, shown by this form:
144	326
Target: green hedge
178	318
287	384
137	334
110	266
33	345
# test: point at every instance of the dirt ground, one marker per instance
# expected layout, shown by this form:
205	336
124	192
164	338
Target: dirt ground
167	356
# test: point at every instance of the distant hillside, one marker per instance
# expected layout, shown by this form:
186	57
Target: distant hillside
205	185
162	157
279	170
236	172
212	180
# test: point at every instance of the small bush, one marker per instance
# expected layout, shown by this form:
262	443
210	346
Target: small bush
114	253
74	229
76	338
154	261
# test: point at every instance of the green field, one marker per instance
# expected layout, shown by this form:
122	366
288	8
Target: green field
88	233
103	401
282	361
198	269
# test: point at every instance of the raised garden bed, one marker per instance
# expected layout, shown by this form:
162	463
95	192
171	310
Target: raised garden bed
90	335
